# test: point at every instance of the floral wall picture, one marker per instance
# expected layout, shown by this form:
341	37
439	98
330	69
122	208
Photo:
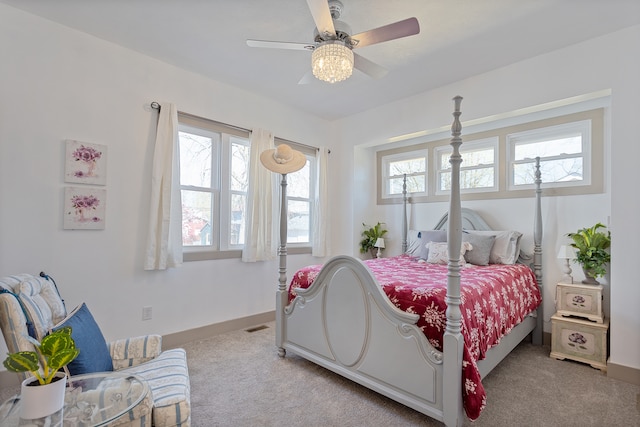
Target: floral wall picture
85	163
84	208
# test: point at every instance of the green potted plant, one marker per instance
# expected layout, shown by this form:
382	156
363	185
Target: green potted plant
369	237
592	253
44	394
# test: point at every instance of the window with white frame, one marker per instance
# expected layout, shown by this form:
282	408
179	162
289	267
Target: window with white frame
300	200
214	180
478	170
500	163
564	155
413	164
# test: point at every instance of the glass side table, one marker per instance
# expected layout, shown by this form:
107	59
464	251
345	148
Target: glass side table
91	400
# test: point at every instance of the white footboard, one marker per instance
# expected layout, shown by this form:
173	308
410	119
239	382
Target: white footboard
345	323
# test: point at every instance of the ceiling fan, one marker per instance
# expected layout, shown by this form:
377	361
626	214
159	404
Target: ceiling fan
333	58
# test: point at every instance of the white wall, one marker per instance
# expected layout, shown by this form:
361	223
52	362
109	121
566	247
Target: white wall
58	84
610	63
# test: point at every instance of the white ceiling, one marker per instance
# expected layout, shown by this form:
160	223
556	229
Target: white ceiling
458	39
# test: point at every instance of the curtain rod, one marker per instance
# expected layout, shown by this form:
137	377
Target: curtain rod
156	106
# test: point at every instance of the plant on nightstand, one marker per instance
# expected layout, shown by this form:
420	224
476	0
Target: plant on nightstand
592	251
370	236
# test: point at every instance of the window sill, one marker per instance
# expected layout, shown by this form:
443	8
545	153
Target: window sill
213	255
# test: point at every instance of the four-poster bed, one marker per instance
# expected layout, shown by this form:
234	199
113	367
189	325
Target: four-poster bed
345	316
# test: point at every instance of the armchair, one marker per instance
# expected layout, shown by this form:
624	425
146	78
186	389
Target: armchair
29	303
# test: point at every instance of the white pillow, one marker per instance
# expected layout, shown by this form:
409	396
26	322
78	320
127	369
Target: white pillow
413	243
506	247
439	252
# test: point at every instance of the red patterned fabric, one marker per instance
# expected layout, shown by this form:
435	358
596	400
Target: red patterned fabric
495	298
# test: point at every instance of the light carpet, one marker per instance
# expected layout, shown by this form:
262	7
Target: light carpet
238	379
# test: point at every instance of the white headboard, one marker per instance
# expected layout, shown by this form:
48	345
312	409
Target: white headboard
471	220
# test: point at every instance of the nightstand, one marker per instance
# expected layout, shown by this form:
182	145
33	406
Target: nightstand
580	340
579	328
577	299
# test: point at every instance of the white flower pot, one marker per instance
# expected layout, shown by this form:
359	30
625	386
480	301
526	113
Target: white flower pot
38	401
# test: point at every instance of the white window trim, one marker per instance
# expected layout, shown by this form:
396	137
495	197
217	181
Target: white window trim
594	161
478	144
407	155
558	131
310	154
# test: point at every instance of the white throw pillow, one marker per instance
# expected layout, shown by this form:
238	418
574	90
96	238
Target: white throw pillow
439	252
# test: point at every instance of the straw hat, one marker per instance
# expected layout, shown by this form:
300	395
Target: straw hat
283	159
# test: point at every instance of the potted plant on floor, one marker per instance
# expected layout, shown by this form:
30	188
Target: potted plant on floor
592	246
44	394
370	236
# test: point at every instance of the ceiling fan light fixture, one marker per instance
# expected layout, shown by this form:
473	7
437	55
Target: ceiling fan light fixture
332	61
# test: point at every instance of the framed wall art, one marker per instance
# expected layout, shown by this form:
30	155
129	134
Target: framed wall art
84	208
85	163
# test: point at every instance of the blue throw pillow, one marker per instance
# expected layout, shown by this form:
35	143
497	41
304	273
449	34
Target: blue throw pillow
94	353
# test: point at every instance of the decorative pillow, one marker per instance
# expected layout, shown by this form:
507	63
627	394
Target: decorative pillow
430	236
506	247
94	354
414	246
482	245
439	253
42	304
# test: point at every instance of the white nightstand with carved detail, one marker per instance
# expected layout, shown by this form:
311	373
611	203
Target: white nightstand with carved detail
579	328
577	299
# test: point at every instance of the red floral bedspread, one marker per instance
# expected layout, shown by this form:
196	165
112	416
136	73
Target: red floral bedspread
495	298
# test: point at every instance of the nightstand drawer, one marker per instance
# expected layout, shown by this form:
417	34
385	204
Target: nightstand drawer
574	299
579	340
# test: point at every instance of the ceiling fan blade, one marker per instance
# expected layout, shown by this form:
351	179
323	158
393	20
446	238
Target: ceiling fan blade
407	27
370	68
308	78
322	17
280	45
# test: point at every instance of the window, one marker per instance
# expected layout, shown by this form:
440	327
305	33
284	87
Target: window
500	163
214	180
413	164
300	191
563	152
478	170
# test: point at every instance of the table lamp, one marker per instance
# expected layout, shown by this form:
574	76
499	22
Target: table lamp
567	252
380	245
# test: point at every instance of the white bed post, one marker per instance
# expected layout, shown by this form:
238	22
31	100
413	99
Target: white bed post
453	340
404	214
281	294
537	253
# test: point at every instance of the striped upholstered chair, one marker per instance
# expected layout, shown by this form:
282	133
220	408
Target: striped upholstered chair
32	305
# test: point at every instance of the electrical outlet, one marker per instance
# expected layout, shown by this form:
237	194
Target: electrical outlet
147	312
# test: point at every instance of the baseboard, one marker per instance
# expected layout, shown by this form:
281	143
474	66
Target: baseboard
623	373
180	338
10	379
546	339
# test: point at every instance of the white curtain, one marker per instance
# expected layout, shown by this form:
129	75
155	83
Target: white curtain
320	246
260	237
164	240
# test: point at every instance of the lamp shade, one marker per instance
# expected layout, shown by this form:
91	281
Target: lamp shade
379	243
332	61
566	252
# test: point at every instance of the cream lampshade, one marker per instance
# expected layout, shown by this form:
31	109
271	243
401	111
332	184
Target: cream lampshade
380	245
567	253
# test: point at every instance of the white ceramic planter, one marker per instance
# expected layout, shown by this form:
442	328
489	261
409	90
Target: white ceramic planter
38	401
